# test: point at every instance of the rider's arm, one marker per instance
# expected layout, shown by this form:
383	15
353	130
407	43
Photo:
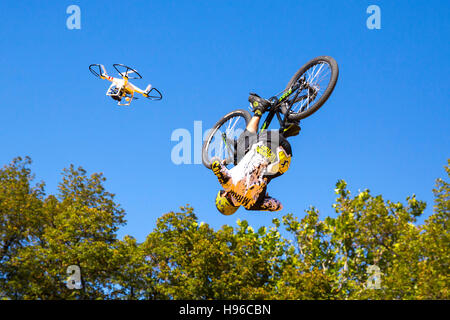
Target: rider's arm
222	175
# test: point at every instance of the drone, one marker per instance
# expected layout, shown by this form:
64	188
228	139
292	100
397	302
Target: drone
122	90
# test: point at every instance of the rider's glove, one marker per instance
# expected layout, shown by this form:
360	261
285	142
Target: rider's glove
217	167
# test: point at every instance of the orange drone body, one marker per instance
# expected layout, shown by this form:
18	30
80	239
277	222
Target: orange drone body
121	88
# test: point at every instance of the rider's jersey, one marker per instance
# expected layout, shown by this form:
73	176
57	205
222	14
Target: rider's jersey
266	159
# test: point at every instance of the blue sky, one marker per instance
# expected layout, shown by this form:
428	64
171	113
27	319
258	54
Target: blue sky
385	126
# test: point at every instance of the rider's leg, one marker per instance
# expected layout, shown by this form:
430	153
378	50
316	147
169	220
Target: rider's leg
253	124
247	138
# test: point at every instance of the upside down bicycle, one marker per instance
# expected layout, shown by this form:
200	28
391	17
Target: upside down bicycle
305	93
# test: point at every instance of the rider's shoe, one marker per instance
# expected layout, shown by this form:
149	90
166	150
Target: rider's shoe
292	128
258	104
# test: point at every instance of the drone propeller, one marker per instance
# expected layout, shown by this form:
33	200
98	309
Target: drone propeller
98	70
127	71
153	94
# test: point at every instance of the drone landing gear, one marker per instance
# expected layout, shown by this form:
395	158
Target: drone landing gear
122	98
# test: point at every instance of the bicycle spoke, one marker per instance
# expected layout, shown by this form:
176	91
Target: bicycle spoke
222	143
318	71
220	147
309	72
324	75
232	126
230	150
314	77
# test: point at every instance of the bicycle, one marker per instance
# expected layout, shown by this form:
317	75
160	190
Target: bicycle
302	97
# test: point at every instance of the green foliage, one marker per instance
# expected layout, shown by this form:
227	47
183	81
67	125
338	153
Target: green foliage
182	258
41	236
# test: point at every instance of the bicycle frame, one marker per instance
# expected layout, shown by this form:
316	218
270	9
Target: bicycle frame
269	119
277	103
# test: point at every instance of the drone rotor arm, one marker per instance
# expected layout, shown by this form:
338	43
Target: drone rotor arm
98	70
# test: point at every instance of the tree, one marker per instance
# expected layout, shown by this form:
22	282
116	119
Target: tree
20	216
371	248
41	236
434	260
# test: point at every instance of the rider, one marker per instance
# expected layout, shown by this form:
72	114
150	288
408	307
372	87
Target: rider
260	158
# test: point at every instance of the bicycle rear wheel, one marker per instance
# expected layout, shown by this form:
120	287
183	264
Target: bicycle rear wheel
319	77
221	141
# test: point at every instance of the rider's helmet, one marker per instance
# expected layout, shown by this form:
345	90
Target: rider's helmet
224	206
